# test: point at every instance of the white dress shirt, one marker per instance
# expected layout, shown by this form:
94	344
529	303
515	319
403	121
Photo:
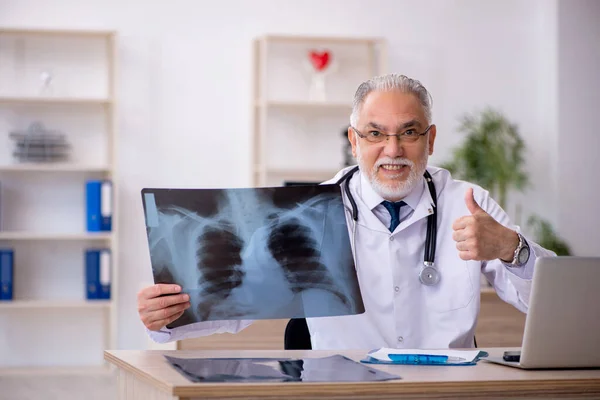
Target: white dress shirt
401	312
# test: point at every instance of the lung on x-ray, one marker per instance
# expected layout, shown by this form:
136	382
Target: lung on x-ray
253	253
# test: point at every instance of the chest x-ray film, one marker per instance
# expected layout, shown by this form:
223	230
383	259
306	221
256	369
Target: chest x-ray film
256	253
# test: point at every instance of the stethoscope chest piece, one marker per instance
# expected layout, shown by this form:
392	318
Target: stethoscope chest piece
429	275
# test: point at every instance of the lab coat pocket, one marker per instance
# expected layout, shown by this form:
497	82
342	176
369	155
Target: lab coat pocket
454	291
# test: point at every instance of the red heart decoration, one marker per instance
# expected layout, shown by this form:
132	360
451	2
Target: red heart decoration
320	60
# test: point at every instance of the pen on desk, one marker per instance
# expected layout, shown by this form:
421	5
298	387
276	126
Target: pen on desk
423	359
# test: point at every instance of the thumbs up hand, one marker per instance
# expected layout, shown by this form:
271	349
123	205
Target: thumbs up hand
479	236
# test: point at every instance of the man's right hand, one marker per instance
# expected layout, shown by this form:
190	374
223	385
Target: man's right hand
161	304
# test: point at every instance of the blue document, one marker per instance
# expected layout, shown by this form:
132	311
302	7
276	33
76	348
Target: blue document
98	274
98	205
6	274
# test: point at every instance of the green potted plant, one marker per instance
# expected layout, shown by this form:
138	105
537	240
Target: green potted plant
492	156
546	237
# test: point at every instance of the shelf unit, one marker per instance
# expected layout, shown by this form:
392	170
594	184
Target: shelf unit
295	136
49	238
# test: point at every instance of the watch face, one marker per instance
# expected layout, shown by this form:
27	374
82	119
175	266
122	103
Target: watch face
523	255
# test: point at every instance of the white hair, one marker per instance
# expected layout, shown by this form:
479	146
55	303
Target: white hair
388	83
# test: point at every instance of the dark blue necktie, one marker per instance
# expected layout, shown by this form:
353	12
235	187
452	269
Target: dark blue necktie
394	210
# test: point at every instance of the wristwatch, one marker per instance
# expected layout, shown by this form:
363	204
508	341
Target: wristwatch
522	253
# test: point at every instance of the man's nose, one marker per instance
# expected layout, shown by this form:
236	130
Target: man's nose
393	147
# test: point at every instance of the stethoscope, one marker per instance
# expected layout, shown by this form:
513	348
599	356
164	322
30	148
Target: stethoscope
429	274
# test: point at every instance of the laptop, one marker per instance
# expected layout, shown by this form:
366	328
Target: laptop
562	327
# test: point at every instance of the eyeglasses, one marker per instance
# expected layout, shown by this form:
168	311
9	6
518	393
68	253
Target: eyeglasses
408	136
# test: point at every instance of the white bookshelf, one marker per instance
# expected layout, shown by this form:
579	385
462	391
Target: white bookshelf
50	326
296	136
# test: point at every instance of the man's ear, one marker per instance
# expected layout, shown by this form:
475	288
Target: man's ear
432	133
352	139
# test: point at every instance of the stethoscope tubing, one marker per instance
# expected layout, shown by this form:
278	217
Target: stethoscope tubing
428	274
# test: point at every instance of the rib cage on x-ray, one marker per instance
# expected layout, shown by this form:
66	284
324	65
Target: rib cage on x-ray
294	246
250	258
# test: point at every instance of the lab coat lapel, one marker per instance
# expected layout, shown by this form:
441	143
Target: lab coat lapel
367	218
424	209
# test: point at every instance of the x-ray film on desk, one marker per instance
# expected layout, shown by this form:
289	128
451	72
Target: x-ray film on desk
253	253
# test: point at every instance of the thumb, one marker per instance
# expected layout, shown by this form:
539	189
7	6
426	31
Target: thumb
471	203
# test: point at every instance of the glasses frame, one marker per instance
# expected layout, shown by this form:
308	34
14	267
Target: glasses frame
399	136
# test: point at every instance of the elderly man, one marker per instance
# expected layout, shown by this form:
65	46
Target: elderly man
415	296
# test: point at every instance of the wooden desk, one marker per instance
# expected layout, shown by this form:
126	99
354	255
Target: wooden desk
147	375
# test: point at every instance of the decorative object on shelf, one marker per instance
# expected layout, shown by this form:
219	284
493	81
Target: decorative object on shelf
37	144
347	149
323	72
46	79
321	64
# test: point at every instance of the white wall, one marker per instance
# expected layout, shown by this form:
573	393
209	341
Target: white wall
184	85
578	110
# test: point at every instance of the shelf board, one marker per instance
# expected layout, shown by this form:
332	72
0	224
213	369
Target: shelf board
21	235
300	175
72	101
52	167
56	371
21	304
56	32
312	172
304	105
322	39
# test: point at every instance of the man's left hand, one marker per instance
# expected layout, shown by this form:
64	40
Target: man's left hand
480	237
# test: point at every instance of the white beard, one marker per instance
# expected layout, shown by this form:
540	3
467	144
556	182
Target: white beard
399	189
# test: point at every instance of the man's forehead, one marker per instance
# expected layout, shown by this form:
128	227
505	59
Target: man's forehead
384	108
391	100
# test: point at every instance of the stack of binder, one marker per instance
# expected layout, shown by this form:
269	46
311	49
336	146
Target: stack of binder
98	274
6	274
99	205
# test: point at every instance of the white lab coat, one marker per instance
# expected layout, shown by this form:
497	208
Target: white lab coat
400	311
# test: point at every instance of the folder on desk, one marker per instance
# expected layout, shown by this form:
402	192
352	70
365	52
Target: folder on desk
6	274
423	356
